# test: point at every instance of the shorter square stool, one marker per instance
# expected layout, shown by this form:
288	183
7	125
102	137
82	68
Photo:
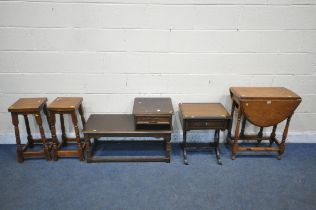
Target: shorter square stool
29	106
203	116
61	106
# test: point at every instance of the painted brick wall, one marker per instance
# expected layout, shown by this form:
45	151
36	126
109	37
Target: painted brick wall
110	51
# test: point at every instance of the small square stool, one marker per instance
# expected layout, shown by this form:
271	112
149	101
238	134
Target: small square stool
203	116
25	107
61	106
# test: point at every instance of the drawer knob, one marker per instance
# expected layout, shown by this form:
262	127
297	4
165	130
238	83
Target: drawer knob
153	120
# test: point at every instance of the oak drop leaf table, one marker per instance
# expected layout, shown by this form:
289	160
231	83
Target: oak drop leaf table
121	125
262	107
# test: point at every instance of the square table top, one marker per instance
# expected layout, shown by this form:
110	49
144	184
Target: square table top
153	106
263	93
27	104
65	103
203	111
115	124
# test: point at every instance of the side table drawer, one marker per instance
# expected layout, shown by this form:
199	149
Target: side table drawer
207	124
153	119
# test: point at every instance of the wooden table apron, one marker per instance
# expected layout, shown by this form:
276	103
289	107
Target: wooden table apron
213	126
160	134
249	110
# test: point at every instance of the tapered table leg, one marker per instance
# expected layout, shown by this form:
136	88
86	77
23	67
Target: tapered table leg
217	150
184	148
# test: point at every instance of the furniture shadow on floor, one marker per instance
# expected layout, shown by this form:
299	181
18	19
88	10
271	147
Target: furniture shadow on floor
130	148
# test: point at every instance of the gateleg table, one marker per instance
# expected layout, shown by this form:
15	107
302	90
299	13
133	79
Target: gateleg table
262	107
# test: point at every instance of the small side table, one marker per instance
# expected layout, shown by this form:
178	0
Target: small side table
29	106
61	106
153	113
203	116
262	107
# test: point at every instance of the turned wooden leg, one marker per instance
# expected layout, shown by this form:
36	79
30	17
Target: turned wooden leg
83	120
235	145
243	126
82	115
167	148
28	130
46	114
63	130
75	123
272	136
184	147
217	150
48	119
230	125
19	148
260	135
52	121
39	122
284	136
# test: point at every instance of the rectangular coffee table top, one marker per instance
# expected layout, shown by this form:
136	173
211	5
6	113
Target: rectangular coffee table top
115	124
264	93
153	106
203	111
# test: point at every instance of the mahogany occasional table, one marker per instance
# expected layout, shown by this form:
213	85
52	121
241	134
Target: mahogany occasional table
263	107
121	125
203	116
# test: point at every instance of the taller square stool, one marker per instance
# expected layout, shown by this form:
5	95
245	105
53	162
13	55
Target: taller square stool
25	107
262	107
61	106
203	116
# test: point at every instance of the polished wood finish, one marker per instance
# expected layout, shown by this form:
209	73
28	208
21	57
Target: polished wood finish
70	106
263	107
121	125
25	107
153	113
65	104
203	116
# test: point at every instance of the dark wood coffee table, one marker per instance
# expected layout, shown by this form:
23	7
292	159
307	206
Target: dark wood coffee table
121	125
203	116
262	107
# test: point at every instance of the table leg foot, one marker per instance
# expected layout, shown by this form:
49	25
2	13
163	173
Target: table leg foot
218	157
219	162
258	143
19	152
233	157
186	162
185	158
279	157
